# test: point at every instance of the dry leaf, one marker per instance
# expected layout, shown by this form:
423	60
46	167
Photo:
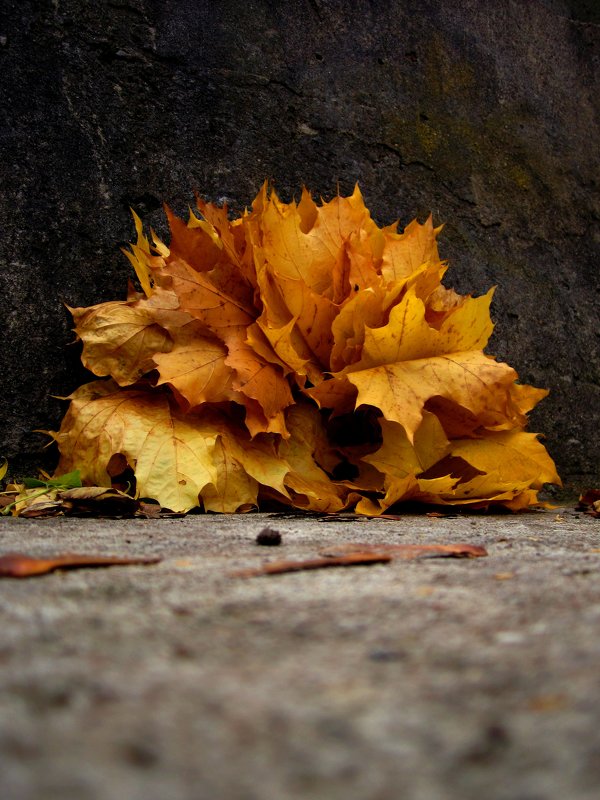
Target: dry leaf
590	502
176	456
246	327
38	507
354	559
410	552
358	554
97	501
20	565
120	339
149	510
52	501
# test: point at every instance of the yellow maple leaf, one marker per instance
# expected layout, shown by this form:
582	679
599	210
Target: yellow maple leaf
471	379
409	336
405	252
170	455
507	462
177	458
243	467
310	484
119	339
195	367
399	457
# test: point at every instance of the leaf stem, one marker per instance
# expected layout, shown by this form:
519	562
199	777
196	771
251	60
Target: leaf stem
6	510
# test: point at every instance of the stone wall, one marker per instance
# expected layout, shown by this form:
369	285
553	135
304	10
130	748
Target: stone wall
485	113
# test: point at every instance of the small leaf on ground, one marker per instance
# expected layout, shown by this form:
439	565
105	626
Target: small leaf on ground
21	565
410	552
361	554
590	502
98	501
279	567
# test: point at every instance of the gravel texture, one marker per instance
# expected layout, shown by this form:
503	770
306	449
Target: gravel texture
426	680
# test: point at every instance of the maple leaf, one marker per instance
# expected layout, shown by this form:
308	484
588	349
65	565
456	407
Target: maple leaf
473	380
171	457
311	485
119	339
243	467
404	253
254	336
501	468
177	458
194	367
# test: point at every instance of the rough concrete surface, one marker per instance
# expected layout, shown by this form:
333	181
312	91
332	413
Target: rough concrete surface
484	113
427	680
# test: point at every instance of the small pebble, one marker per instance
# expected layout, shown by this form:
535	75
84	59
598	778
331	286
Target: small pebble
268	537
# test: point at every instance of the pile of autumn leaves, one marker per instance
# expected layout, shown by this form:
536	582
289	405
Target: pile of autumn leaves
299	354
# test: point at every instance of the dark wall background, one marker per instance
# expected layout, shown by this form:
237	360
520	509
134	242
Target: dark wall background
485	113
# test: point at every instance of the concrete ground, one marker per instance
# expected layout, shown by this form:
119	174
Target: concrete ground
476	679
